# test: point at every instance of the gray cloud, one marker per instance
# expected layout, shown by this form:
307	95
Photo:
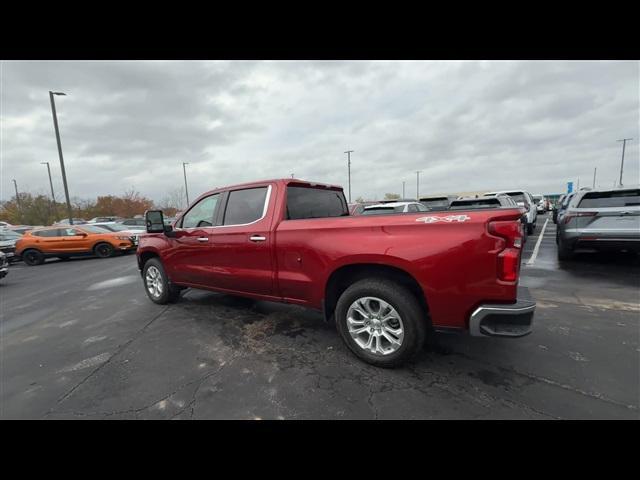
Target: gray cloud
465	125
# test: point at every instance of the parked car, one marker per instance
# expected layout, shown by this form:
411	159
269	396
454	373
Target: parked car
525	200
438	203
104	219
386	281
597	220
4	265
556	207
5	225
394	207
133	233
540	203
76	221
358	208
65	242
8	239
469	203
133	222
563	208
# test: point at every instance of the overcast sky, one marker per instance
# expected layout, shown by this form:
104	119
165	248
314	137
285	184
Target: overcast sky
466	125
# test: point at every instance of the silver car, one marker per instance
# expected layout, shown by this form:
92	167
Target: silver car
600	220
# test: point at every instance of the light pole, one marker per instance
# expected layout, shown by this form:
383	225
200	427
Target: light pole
186	190
403	196
595	169
349	152
53	197
624	143
417	185
64	175
15	184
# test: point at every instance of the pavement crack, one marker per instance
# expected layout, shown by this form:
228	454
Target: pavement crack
119	350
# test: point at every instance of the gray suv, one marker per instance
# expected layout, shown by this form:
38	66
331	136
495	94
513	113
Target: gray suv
600	220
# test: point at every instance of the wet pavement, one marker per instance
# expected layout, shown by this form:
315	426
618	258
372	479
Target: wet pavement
80	339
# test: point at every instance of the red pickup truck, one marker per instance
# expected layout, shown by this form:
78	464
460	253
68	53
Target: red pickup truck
387	281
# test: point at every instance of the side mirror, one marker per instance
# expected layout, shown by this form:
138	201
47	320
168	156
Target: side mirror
155	221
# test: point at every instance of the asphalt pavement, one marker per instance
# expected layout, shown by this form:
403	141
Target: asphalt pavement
80	339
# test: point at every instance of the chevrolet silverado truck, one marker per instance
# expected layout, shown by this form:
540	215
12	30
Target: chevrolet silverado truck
386	281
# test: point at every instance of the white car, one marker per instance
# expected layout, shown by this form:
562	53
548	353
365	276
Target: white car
540	202
523	199
394	207
124	229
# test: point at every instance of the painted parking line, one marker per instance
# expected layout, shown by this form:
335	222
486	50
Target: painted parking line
537	247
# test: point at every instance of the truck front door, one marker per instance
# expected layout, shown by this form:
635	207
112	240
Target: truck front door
242	243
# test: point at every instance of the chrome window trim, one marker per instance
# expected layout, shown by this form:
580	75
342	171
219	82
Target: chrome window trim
264	209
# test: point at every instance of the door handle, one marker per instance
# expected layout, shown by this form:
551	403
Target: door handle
257	238
203	239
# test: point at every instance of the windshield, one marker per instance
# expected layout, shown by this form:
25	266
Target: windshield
112	228
93	229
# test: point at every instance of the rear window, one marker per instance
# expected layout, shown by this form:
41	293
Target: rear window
245	206
383	210
307	202
476	203
620	198
435	202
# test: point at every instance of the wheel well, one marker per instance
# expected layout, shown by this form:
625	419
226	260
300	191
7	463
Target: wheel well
345	276
30	248
145	257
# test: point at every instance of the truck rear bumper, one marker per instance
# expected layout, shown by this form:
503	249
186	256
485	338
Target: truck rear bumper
500	320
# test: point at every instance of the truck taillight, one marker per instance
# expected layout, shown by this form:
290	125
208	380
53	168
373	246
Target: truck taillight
509	264
512	233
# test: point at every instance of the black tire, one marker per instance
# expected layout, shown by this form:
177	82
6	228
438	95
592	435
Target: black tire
564	251
103	250
169	293
403	301
530	228
32	257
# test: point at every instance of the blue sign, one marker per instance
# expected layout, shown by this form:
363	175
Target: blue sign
569	187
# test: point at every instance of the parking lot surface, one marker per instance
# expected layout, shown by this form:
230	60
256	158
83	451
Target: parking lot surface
80	339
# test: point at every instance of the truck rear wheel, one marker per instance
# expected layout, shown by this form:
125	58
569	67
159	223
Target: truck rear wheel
381	322
156	283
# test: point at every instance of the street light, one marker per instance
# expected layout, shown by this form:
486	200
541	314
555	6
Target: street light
53	197
64	175
417	185
15	184
186	191
624	144
349	152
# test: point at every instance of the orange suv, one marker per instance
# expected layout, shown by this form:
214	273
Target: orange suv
69	241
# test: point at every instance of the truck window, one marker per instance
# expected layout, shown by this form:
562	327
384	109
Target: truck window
201	214
307	202
245	206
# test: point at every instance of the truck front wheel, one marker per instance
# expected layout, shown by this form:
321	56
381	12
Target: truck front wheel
156	283
381	322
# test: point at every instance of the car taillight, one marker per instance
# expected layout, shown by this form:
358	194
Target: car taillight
569	216
509	258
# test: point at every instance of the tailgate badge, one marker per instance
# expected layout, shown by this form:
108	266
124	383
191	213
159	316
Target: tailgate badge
448	218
